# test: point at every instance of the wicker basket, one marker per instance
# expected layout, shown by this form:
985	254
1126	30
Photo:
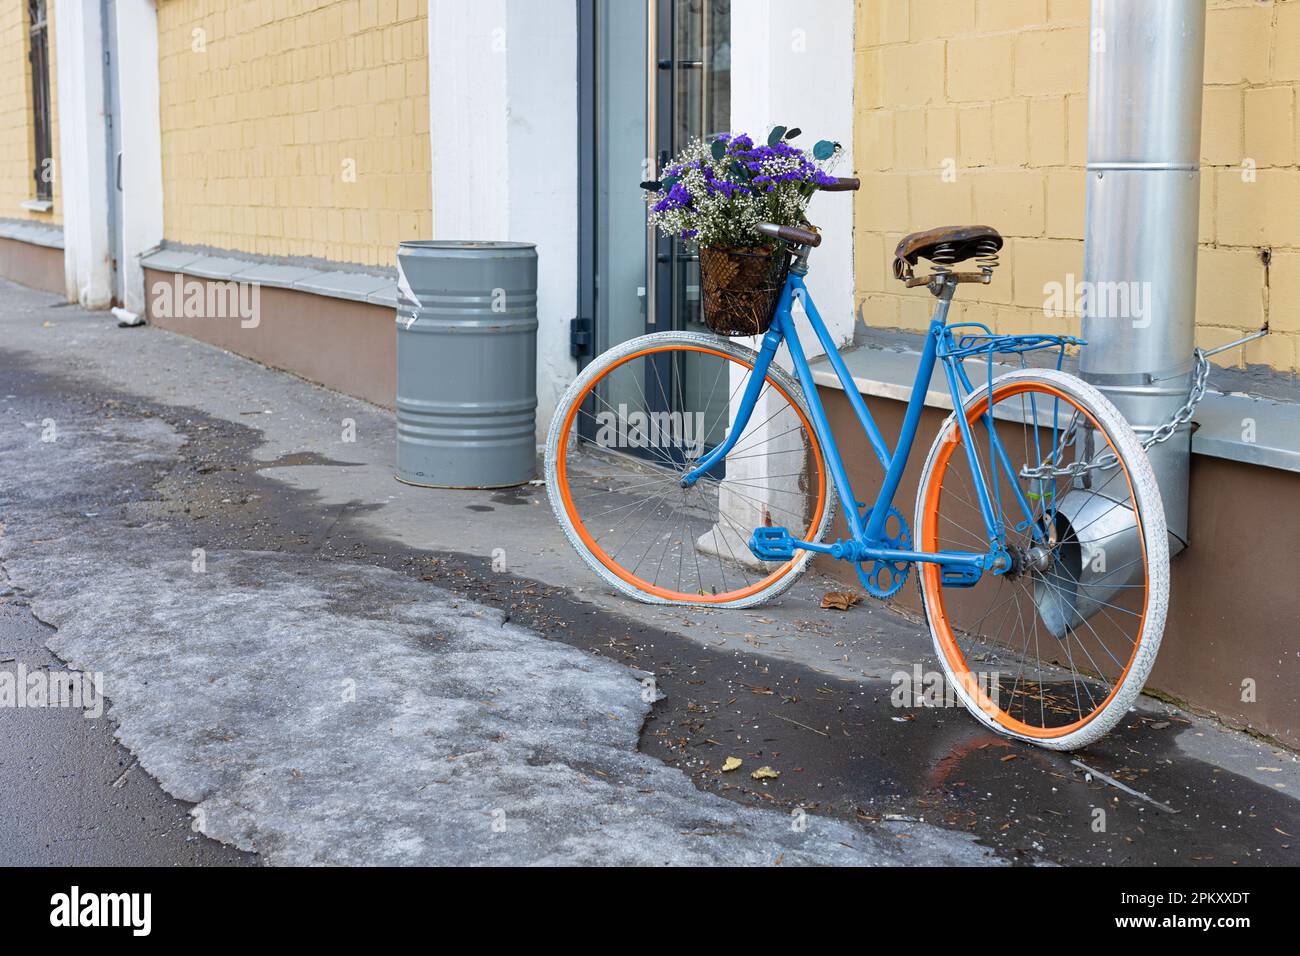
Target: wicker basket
741	287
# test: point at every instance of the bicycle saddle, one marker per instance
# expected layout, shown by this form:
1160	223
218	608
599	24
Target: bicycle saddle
946	246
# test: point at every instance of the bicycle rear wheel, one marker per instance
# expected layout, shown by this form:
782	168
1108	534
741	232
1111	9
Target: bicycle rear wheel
1055	650
634	422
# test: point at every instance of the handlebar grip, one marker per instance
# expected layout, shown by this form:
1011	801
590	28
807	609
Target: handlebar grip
803	237
843	184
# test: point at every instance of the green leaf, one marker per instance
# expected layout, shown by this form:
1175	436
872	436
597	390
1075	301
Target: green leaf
737	172
651	185
791	134
669	182
824	149
718	149
774	137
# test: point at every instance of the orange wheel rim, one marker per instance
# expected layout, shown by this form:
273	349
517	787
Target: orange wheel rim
562	480
931	583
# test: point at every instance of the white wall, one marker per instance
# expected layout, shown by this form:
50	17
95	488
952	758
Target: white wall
792	65
142	196
503	88
83	156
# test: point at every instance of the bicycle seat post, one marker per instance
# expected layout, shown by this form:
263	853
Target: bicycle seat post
943	286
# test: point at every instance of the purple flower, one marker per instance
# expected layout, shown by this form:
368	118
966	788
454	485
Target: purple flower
713	185
678	198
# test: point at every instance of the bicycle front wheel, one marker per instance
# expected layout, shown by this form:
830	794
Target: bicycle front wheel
1055	649
634	422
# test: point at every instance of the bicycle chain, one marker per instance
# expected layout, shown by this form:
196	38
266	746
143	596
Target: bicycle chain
1108	460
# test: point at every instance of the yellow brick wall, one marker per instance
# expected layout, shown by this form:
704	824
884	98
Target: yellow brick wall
17	144
296	127
994	92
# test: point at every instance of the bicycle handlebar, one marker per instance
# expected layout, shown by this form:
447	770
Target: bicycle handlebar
802	237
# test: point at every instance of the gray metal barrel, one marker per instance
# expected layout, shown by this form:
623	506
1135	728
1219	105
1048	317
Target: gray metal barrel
466	363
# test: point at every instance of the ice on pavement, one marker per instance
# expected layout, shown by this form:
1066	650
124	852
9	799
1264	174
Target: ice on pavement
334	713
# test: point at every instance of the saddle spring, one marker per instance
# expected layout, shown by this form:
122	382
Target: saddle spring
986	256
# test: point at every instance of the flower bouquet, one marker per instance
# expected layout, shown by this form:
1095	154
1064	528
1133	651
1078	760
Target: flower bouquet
715	193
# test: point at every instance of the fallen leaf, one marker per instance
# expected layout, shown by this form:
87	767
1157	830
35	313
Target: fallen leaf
765	773
840	600
731	763
1009	757
1160	725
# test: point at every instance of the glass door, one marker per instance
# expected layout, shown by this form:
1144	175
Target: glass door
653	75
693	70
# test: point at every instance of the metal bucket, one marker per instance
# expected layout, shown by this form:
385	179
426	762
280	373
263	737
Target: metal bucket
466	364
1101	555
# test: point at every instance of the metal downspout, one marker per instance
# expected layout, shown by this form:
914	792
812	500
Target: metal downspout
1146	70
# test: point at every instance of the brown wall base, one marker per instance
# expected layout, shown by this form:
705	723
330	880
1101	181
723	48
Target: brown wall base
345	345
38	267
1234	610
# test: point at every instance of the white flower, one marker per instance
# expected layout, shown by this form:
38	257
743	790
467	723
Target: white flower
718	201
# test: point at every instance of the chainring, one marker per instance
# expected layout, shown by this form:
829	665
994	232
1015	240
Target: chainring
884	579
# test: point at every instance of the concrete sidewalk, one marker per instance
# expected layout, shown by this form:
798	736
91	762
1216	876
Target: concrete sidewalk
367	672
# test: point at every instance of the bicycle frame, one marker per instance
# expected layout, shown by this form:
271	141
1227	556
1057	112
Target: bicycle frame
866	542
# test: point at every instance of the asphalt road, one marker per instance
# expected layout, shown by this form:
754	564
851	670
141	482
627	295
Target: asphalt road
72	795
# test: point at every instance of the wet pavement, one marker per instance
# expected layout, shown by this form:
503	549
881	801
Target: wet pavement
74	796
732	688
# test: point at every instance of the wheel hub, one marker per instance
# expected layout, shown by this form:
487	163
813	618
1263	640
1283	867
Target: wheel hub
1034	559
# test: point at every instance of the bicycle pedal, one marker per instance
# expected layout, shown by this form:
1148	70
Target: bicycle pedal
964	577
771	544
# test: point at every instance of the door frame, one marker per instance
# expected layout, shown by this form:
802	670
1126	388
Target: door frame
587	338
113	150
582	334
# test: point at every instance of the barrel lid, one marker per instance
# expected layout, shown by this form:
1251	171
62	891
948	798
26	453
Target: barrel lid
465	245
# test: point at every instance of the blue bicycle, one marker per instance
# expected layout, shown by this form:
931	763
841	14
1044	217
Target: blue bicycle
688	469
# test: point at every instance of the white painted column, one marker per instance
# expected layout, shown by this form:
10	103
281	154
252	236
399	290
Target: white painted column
792	65
83	174
503	94
142	185
469	118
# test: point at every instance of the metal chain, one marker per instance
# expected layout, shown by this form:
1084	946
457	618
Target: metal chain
1108	460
